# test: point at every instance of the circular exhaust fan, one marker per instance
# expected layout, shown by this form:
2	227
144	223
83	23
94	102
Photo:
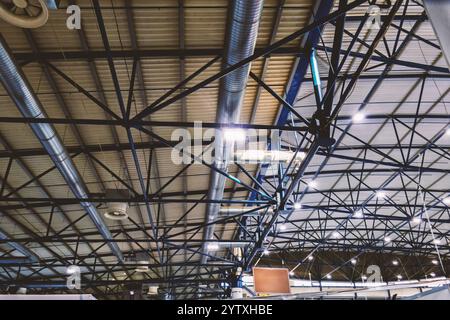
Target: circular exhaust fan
24	13
116	211
142	267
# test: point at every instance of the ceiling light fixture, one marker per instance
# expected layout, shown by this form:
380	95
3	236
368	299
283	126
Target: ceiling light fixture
358	214
353	261
329	276
212	247
399	277
416	220
310	258
381	195
395	262
297	205
446	201
432	274
435	262
387	239
312	184
358	117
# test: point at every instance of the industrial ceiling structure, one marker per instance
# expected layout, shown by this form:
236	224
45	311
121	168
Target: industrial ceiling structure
356	92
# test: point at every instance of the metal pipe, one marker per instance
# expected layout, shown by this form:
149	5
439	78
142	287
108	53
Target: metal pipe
16	261
52	4
242	31
28	104
316	76
30	256
321	10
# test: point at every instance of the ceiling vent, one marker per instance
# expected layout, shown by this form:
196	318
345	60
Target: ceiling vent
27	14
141	260
141	267
152	290
116	210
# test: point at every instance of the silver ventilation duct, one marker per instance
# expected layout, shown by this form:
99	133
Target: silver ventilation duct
23	96
242	31
30	256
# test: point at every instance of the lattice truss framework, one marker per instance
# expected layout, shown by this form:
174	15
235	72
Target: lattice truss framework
117	88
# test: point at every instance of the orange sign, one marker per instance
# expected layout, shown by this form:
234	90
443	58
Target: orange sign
271	280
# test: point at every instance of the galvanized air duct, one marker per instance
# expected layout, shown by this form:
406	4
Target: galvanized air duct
242	33
23	96
30	256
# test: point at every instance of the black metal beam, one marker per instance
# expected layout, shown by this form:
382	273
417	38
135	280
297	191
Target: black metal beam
268	50
106	122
